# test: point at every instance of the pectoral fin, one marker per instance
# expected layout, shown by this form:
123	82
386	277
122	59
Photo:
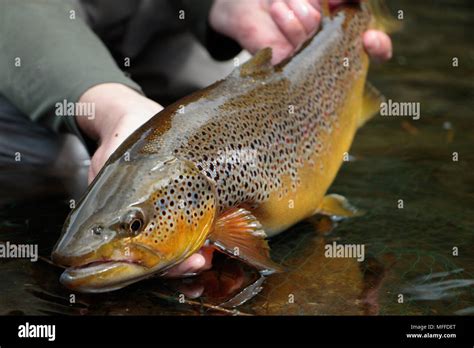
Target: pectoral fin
238	233
337	205
370	103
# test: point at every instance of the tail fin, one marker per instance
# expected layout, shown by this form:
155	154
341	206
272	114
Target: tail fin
382	19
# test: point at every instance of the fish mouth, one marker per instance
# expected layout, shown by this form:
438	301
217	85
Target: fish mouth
104	275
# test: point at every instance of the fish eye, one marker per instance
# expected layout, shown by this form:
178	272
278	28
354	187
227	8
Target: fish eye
133	222
136	226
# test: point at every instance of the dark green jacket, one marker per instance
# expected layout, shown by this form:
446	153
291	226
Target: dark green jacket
51	50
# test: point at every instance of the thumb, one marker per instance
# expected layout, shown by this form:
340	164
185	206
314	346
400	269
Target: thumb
280	52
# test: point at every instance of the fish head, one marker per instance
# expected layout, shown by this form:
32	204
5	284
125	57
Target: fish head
138	219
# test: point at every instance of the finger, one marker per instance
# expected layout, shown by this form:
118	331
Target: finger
280	52
253	38
288	23
207	253
191	291
307	15
192	264
90	175
378	45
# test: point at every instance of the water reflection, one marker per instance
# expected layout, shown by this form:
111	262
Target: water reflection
431	288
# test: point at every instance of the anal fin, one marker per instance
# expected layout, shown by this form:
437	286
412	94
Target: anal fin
338	206
238	233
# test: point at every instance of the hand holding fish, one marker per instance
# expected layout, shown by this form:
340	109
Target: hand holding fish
283	25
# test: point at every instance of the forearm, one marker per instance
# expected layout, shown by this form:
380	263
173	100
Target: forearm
49	56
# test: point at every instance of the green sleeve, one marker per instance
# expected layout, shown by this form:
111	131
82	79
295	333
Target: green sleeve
48	56
220	47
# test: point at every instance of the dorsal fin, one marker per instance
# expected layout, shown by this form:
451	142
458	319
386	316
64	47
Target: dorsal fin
259	64
325	9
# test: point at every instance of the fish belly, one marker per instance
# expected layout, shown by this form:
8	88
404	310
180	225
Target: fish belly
281	211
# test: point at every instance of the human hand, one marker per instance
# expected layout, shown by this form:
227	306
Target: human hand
119	111
283	25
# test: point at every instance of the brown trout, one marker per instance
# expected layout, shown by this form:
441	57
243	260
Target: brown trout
227	166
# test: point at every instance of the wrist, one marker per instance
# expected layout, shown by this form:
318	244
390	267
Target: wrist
113	103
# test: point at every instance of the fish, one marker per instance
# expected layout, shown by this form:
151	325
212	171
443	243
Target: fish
228	166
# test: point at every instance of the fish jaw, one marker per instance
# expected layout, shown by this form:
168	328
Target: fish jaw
122	262
111	267
103	276
175	204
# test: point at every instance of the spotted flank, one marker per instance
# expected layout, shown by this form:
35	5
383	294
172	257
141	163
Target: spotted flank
227	166
187	198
